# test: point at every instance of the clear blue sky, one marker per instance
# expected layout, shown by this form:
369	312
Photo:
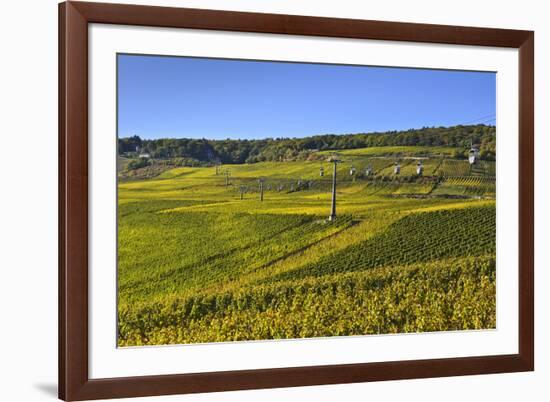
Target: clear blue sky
179	97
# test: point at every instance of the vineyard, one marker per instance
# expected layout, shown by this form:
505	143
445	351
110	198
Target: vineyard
414	238
468	185
436	296
245	251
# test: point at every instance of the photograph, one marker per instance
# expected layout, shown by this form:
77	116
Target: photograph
268	200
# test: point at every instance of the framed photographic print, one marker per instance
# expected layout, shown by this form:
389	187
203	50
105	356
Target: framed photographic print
260	200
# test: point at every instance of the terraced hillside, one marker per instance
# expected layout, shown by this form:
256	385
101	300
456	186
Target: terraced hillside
202	258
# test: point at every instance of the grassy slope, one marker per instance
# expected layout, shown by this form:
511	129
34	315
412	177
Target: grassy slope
187	238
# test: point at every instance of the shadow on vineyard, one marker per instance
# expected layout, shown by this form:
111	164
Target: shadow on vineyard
415	238
245	251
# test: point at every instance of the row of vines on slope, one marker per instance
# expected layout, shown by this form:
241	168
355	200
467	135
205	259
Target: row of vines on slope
455	294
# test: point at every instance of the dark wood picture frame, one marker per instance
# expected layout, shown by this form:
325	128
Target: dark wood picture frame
74	382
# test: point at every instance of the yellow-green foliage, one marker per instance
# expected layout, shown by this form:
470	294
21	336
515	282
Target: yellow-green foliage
468	185
167	253
196	263
446	295
417	237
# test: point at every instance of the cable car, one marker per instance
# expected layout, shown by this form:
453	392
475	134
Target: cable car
368	170
473	155
419	168
397	168
352	171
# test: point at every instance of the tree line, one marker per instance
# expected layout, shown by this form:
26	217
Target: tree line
203	151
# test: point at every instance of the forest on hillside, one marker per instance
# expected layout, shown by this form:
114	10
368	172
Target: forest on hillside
205	151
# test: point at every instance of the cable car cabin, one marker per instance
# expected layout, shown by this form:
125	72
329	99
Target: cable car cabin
351	171
419	168
368	171
397	168
473	155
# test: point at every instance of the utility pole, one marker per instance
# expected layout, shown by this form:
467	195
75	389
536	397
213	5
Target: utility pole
332	216
227	174
261	181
